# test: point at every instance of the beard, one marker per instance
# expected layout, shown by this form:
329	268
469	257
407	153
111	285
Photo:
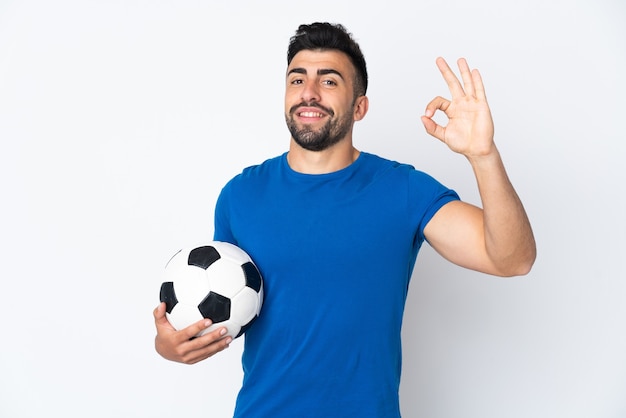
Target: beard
333	131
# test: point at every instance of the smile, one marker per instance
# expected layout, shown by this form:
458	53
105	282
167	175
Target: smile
311	115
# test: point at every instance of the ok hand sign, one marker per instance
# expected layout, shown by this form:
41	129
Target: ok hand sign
469	130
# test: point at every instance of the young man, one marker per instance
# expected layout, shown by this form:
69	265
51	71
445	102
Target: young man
336	231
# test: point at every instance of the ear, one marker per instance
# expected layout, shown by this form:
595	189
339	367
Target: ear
361	104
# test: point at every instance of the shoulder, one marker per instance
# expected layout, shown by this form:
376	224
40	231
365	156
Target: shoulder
370	159
422	189
250	181
392	167
373	163
267	166
258	171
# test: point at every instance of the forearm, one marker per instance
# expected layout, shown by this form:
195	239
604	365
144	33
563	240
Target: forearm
509	240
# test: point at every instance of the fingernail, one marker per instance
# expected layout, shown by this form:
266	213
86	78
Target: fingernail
223	331
207	323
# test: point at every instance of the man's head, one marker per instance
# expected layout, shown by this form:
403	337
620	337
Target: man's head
327	36
326	85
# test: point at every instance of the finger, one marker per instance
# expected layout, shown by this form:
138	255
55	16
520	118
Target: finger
451	80
159	312
466	75
217	335
196	328
438	103
479	87
207	351
163	325
207	345
433	128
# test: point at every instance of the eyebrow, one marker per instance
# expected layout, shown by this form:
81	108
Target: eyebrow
321	71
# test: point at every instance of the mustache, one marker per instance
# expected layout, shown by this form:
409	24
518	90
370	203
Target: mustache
293	109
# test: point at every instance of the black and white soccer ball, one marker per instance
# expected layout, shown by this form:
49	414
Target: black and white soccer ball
218	281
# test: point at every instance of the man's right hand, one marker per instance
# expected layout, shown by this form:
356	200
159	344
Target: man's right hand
180	346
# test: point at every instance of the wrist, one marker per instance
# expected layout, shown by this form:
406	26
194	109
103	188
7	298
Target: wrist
485	158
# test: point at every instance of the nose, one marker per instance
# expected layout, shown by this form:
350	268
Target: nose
310	93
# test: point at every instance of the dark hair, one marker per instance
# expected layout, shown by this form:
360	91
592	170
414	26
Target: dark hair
325	36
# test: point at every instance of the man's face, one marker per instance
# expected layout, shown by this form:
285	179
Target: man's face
319	98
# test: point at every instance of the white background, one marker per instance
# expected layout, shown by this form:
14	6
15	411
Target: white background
120	121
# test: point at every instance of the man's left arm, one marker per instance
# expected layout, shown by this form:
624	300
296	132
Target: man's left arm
498	238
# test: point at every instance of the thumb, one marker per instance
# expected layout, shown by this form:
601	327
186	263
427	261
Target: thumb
159	315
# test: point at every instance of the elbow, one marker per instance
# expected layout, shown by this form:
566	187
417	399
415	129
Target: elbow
520	266
522	269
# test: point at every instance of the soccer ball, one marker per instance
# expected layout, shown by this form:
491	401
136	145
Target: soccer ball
218	281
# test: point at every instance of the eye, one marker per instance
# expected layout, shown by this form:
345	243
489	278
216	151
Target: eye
329	82
296	81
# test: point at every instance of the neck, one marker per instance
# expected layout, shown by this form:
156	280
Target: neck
329	160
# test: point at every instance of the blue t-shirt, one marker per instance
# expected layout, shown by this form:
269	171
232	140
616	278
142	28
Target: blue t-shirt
336	252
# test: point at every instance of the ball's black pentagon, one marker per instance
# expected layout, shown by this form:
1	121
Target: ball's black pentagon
215	307
203	257
168	296
253	276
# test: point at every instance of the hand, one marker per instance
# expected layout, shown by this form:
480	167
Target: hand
180	346
470	127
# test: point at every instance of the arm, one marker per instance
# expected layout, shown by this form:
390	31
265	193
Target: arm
498	238
180	345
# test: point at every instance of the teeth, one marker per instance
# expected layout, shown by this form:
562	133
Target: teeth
311	115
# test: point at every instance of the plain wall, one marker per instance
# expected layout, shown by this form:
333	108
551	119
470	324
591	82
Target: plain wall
120	121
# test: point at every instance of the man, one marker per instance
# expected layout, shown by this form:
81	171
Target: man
336	231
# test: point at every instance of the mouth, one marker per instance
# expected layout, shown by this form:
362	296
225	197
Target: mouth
310	112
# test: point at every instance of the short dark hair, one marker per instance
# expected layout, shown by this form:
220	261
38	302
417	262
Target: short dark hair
325	36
